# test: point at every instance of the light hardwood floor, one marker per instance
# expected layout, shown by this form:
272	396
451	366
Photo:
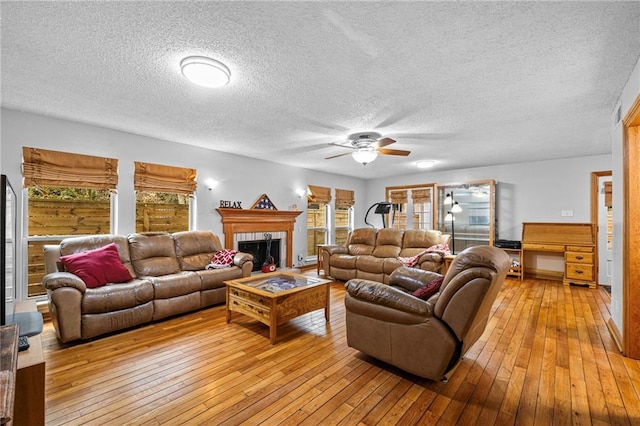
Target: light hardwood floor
546	358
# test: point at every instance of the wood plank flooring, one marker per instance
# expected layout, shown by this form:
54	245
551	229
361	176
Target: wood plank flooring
545	358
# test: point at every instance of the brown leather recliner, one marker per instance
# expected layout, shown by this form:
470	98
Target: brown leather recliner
426	337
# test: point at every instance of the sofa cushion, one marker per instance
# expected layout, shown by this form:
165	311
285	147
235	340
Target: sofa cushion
370	264
97	267
215	278
174	285
362	241
421	238
153	255
115	297
195	249
388	242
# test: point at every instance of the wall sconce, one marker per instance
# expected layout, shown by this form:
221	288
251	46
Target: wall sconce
210	183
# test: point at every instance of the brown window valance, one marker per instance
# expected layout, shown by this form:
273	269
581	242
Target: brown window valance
344	198
319	194
159	178
55	168
398	197
420	196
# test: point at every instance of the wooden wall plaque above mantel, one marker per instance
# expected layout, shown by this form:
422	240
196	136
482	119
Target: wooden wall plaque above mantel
235	221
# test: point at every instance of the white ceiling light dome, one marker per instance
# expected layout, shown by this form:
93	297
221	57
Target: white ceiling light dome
364	155
205	71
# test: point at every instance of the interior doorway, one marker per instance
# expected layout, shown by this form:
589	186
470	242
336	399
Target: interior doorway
601	216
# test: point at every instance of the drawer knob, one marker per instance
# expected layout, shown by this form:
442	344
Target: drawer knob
579	257
578	271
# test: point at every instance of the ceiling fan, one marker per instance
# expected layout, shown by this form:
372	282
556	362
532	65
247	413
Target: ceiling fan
366	146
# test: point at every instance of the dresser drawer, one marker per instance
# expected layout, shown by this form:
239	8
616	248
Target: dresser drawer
586	249
576	271
578	257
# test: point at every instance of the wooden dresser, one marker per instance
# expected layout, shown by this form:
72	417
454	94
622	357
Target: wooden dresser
576	241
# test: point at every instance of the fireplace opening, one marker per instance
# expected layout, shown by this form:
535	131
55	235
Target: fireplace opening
259	251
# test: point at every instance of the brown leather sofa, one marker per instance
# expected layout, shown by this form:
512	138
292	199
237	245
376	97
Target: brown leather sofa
169	279
426	337
372	253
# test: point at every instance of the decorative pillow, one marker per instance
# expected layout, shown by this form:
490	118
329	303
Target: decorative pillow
222	259
410	261
97	267
429	290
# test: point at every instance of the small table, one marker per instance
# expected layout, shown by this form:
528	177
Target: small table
447	263
277	297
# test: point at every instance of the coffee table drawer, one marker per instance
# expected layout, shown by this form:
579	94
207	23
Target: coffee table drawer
256	311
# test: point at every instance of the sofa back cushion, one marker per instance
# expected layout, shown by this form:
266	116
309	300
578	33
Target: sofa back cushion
388	242
362	241
153	254
74	245
195	249
421	238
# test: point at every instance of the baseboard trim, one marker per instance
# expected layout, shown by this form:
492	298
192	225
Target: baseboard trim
615	334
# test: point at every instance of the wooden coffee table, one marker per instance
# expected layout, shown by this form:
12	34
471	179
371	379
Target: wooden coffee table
277	297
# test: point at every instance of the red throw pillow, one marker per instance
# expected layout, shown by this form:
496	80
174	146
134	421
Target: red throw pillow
222	259
429	290
97	267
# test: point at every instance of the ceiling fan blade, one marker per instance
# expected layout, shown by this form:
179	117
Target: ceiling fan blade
336	156
341	145
383	142
394	152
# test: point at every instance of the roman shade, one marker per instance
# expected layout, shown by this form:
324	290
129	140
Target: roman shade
398	197
42	167
319	195
160	178
344	199
420	196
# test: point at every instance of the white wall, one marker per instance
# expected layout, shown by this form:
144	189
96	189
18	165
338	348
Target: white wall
240	178
525	192
629	94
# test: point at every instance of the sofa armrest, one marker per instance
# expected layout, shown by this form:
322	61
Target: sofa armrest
241	258
383	295
411	279
56	280
336	250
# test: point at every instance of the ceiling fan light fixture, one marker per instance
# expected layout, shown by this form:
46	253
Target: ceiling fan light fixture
364	156
205	71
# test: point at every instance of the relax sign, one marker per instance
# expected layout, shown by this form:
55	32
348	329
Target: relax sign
230	204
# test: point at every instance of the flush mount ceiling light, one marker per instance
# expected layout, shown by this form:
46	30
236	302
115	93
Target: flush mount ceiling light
364	155
205	72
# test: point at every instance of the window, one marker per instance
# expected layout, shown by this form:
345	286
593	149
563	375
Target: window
343	215
318	200
163	197
412	206
67	194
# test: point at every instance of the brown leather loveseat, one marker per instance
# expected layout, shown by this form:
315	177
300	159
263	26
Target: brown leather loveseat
426	337
169	278
372	253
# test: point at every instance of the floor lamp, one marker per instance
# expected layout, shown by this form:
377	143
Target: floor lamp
450	217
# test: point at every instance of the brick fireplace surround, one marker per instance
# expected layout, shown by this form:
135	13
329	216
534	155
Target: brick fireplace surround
236	221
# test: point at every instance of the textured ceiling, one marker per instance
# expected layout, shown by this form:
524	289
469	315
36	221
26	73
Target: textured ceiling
463	83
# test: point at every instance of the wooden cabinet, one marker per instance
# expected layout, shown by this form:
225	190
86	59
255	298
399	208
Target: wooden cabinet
29	402
574	241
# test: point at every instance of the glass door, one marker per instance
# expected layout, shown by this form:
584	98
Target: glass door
466	211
